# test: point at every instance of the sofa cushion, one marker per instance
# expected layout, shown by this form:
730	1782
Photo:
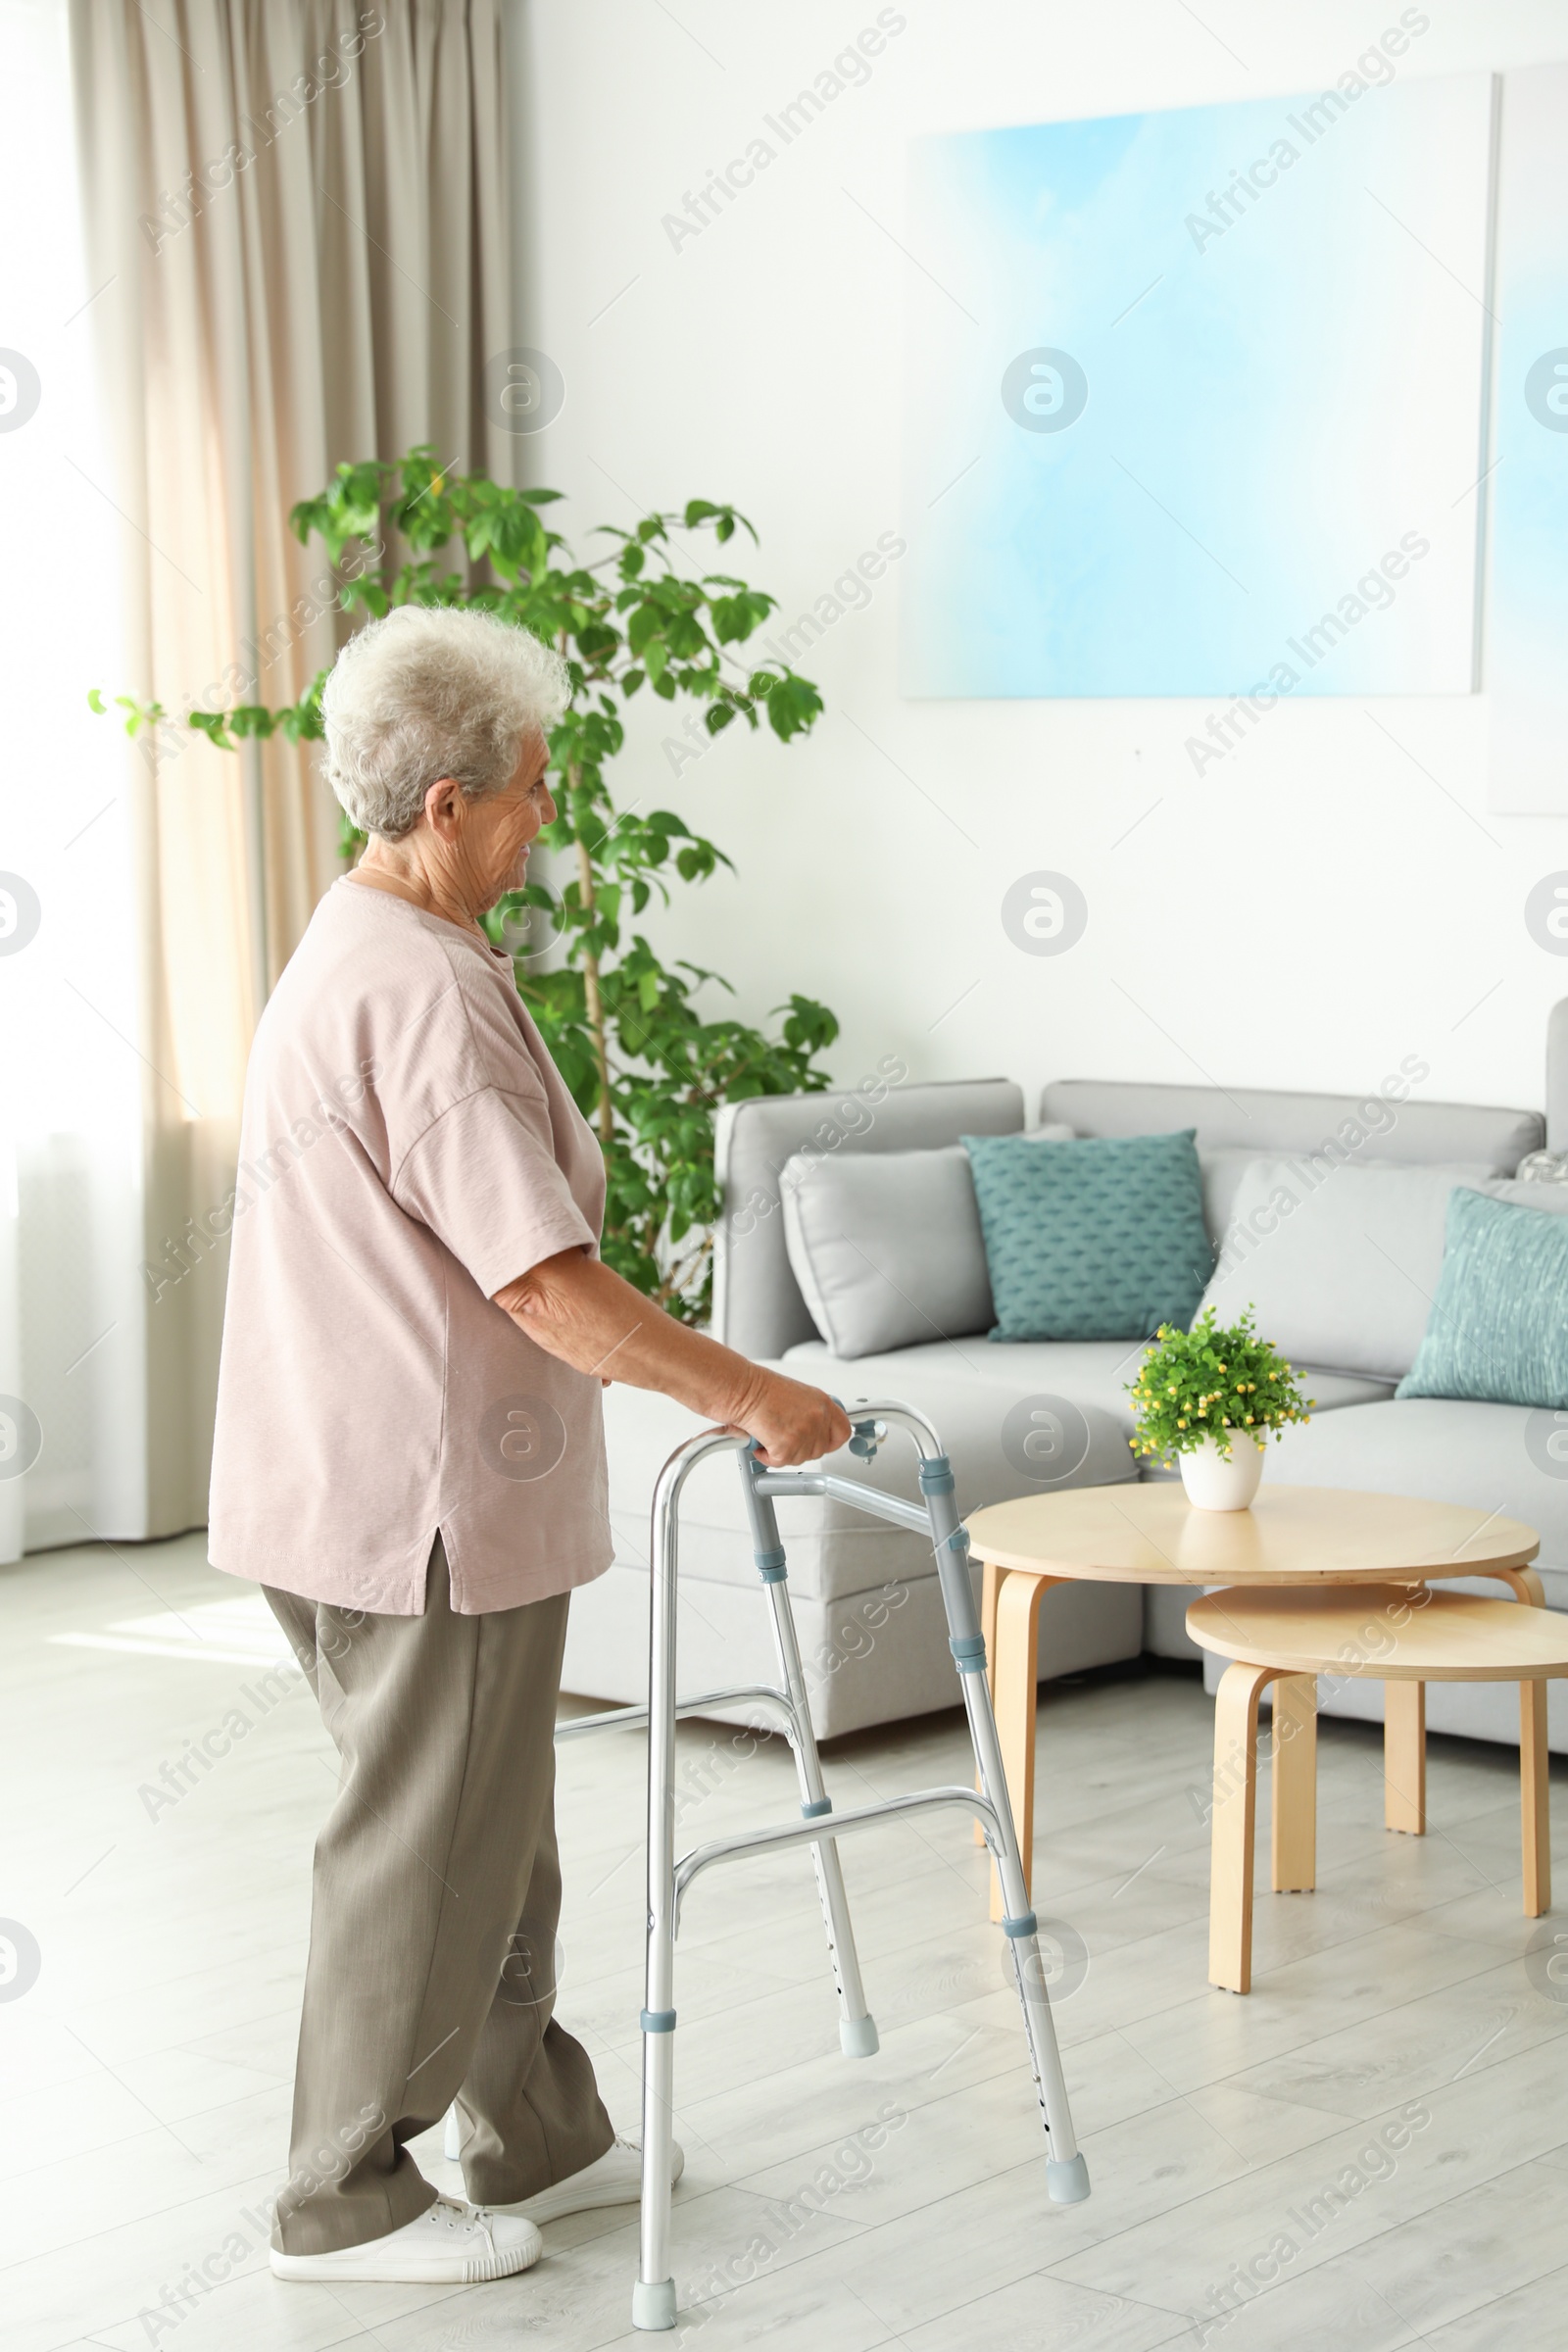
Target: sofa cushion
1092	1240
1497	1458
1498	1329
887	1250
1342	1265
1222	1173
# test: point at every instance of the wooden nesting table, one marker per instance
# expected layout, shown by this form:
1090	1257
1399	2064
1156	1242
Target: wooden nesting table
1149	1534
1391	1634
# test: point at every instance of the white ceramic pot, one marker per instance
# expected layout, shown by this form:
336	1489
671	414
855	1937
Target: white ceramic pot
1214	1484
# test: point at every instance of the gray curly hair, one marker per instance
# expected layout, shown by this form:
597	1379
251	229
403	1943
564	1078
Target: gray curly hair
433	691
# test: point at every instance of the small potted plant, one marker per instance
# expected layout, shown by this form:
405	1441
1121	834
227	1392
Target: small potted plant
1209	1396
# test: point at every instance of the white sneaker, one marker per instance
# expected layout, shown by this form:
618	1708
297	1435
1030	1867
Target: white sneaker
614	2178
450	2244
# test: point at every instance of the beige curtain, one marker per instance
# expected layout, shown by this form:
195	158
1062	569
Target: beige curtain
298	223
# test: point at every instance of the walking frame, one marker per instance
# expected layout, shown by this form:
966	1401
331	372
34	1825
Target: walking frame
669	1877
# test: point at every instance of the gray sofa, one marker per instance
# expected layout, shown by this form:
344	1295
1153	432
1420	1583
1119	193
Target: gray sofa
864	1594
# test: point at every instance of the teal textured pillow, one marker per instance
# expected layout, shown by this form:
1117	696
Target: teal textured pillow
1098	1239
1498	1326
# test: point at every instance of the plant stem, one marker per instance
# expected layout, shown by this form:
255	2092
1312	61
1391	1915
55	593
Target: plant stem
590	984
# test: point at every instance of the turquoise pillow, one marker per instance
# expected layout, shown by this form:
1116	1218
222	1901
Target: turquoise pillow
1498	1326
1098	1239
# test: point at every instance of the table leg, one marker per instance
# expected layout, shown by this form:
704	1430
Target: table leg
1018	1652
1534	1787
1230	1881
990	1586
1535	1802
1404	1728
1295	1829
1404	1757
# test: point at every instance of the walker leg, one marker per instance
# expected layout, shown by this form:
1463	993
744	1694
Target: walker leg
857	2034
654	2296
653	2299
1067	2172
991	1576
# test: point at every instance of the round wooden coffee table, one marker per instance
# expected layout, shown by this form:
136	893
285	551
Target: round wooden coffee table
1149	1534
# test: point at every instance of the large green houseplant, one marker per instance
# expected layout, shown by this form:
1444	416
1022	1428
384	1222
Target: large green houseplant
643	1062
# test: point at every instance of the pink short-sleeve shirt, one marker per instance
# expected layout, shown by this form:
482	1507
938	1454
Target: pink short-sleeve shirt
408	1148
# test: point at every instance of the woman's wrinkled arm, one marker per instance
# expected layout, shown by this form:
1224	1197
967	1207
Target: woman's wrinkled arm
577	1308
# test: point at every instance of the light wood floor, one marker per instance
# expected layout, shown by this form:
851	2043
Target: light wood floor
144	2077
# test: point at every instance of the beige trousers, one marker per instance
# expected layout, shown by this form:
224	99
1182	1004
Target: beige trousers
436	1892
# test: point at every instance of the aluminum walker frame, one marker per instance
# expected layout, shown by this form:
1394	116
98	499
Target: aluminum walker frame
1067	2173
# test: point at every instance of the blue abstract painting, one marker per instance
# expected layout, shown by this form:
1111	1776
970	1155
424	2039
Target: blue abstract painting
1526	669
1195	400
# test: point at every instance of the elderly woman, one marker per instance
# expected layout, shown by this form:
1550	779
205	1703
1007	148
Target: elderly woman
410	1459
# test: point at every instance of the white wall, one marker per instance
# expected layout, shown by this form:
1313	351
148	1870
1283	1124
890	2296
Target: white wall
1326	901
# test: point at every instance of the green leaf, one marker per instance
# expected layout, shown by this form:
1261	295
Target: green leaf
733	617
645	624
597	640
791	705
686	635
